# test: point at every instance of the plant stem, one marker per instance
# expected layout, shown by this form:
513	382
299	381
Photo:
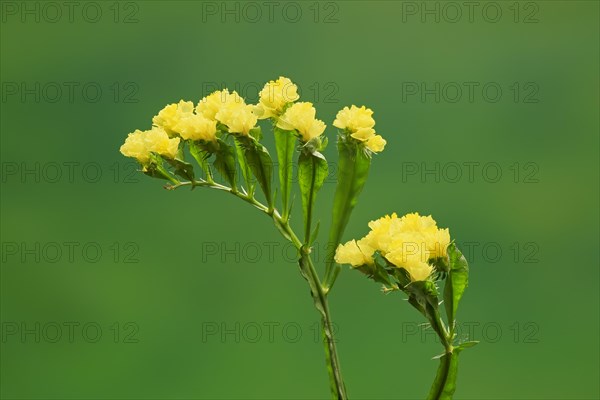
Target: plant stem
444	385
338	389
309	272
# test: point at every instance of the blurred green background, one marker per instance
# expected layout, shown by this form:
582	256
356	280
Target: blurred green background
194	292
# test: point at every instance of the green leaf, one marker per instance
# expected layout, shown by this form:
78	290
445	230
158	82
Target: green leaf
456	283
256	133
314	234
312	171
466	345
284	144
156	169
201	156
225	162
444	385
379	271
182	168
246	173
261	165
353	170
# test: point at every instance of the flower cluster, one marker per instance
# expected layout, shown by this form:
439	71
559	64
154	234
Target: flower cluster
140	144
183	120
275	96
411	242
227	112
229	109
359	123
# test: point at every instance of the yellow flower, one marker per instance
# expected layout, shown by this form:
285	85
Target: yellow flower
354	253
363	134
239	118
359	123
438	243
135	147
140	144
169	117
274	96
210	105
354	118
229	109
197	127
419	270
157	141
376	143
379	237
409	242
301	117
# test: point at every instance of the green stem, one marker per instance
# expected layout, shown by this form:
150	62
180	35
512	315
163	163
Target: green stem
444	385
309	272
309	208
336	382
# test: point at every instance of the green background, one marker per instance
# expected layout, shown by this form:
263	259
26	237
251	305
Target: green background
543	298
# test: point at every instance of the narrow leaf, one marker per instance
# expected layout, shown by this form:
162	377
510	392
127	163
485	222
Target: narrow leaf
312	171
201	156
225	162
456	282
284	144
260	163
353	170
156	169
466	345
244	167
314	234
182	168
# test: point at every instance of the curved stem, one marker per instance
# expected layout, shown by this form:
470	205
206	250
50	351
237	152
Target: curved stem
309	272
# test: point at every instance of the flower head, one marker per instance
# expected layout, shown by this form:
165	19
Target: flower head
135	147
410	242
301	117
359	123
170	115
210	105
229	109
274	96
354	253
239	118
197	127
354	118
140	144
